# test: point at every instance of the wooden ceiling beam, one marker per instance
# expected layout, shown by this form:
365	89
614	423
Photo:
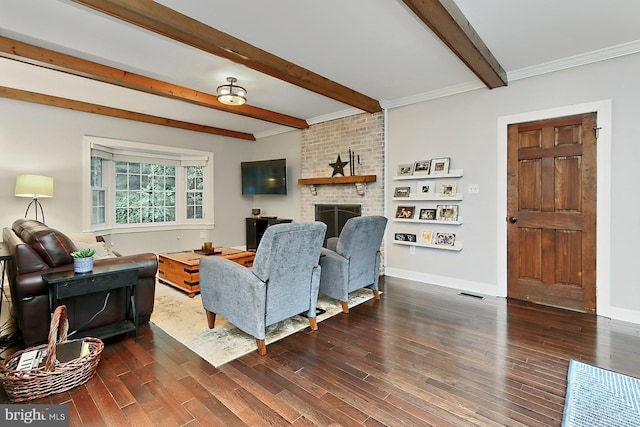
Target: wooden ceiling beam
46	58
71	104
172	24
446	20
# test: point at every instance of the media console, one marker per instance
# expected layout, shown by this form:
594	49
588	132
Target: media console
256	228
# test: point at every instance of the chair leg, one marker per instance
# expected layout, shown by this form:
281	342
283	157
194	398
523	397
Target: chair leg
376	294
313	323
345	306
262	347
211	318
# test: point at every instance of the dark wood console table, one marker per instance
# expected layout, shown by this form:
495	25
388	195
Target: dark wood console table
67	284
255	228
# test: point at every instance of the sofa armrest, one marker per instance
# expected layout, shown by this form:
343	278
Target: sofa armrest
233	292
335	275
146	280
332	243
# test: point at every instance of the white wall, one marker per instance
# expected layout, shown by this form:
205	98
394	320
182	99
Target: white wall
48	141
464	127
286	145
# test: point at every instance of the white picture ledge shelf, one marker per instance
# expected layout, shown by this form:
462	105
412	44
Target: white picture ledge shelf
457	247
458	197
453	173
358	180
429	221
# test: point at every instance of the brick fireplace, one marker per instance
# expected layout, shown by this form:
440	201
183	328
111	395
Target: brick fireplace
335	216
321	144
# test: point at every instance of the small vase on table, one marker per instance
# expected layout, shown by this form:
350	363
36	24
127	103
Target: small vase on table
83	260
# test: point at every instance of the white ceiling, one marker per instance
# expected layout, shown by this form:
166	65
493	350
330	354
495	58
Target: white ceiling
376	47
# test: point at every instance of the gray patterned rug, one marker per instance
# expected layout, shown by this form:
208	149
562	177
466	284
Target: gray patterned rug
184	319
602	398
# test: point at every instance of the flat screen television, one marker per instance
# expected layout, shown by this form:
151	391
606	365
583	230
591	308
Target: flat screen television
264	177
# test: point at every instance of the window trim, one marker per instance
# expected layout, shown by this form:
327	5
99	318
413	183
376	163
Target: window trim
145	152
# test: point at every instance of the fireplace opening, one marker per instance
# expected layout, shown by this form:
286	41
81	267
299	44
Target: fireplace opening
335	216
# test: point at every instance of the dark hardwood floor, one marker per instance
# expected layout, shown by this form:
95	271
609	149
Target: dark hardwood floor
422	355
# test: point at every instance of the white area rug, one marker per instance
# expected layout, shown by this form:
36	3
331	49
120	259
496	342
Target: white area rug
184	319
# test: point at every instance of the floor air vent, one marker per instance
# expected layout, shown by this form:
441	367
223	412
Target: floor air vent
465	294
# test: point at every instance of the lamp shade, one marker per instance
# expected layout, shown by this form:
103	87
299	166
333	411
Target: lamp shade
34	186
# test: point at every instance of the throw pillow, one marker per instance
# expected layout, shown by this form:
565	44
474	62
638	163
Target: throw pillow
101	249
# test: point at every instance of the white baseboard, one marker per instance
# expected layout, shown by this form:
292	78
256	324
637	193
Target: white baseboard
623	314
447	282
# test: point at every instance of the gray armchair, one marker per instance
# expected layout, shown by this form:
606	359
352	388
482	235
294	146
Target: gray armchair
283	281
352	261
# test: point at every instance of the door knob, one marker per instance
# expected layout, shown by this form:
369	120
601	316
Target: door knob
513	220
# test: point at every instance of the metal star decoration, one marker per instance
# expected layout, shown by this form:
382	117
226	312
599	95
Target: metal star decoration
338	166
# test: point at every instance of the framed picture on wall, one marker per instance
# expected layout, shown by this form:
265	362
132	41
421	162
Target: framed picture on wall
402	192
447	212
426	188
405	169
448	189
445	239
421	167
405	212
440	166
426	236
428	214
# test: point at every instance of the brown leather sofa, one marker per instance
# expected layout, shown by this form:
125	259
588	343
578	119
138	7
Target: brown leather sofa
37	249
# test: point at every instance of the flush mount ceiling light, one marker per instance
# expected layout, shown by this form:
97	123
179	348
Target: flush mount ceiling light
231	94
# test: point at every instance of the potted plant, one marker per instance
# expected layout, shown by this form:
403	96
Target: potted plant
83	260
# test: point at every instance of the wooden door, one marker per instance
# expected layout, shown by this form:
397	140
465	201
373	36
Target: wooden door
551	212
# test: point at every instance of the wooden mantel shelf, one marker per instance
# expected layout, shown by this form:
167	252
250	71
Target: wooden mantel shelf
337	180
358	180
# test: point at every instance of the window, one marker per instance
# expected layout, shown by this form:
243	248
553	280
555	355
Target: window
142	185
97	192
145	193
195	186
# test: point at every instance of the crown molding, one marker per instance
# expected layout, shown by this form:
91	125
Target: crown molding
435	94
576	61
313	121
271	132
334	116
523	73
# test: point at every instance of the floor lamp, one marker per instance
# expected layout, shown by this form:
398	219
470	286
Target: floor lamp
36	187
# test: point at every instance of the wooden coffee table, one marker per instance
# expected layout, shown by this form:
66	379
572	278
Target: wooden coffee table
182	269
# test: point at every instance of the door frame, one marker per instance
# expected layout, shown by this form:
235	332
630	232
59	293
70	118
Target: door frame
603	208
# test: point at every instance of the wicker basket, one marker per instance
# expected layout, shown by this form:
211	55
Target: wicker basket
53	377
